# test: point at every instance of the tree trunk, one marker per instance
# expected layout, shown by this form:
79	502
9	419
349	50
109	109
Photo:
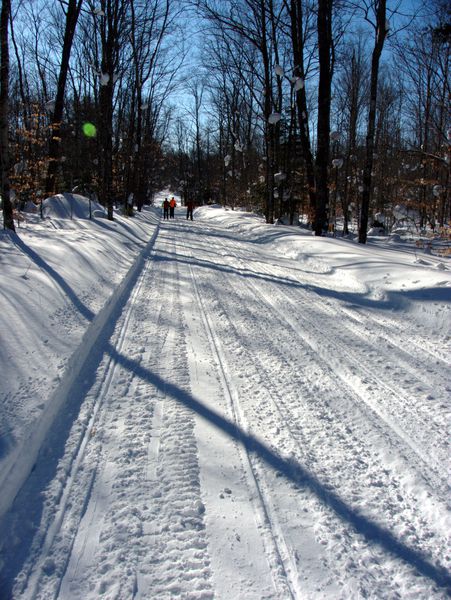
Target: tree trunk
111	25
323	127
106	134
353	93
297	42
381	33
73	11
8	221
20	76
269	129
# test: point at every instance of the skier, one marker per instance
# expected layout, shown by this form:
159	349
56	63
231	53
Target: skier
166	209
172	205
189	209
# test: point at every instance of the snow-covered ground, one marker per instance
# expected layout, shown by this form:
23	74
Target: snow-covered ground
221	409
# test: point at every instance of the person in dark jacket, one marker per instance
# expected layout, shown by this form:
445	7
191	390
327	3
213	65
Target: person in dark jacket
189	209
166	209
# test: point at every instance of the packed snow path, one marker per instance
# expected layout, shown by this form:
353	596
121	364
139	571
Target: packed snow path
240	431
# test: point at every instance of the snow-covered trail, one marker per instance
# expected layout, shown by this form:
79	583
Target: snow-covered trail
245	435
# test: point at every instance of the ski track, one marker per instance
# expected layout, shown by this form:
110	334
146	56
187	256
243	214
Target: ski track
125	519
278	555
341	344
192	371
369	461
345	337
381	395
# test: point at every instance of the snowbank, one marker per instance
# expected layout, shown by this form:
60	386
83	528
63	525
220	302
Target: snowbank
59	277
71	206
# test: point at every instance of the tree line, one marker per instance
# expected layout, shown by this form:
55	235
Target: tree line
334	109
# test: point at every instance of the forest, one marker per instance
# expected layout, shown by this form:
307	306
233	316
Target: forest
335	112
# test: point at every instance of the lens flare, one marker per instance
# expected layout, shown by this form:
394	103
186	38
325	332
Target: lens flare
89	130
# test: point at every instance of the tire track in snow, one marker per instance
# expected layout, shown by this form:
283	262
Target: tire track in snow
384	398
119	432
390	330
151	540
332	349
302	558
175	527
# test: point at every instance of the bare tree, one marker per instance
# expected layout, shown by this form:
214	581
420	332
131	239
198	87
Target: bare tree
380	33
298	26
8	221
197	92
72	13
325	50
113	30
424	60
149	27
253	23
351	91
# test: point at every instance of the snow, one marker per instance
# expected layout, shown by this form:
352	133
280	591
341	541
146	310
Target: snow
220	408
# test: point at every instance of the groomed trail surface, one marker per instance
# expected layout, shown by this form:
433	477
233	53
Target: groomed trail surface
240	432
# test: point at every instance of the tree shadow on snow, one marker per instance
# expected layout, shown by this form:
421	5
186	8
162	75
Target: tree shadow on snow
392	301
65	287
294	472
26	515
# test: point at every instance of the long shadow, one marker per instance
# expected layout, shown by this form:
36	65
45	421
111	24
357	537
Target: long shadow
28	511
393	301
65	287
217	232
123	225
294	472
274	233
20	525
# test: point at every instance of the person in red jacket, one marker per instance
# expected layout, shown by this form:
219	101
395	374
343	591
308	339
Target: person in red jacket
172	205
189	209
